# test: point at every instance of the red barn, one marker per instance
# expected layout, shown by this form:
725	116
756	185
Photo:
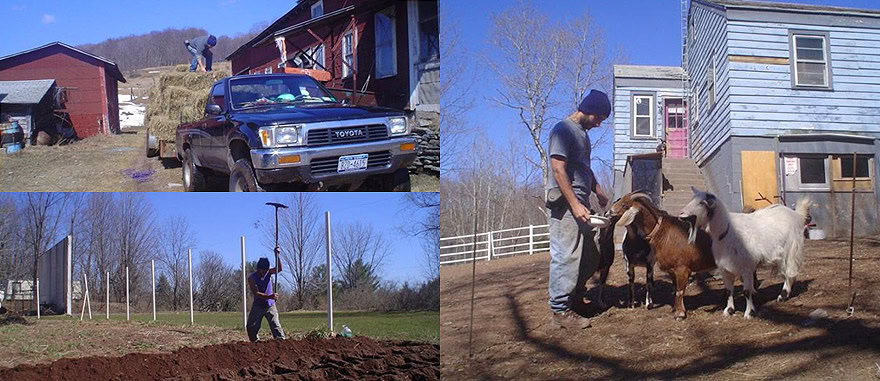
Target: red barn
387	47
89	83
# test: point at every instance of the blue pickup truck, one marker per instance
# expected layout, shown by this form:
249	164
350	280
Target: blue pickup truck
282	131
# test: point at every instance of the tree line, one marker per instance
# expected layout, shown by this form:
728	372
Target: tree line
114	231
163	47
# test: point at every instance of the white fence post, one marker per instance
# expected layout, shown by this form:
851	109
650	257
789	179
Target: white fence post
190	253
107	291
489	246
243	287
153	271
38	298
127	314
329	276
531	240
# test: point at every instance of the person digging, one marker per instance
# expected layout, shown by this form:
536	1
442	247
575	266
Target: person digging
573	253
260	284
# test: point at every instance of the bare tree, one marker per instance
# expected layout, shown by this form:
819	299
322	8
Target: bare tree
136	241
528	65
99	232
43	220
13	263
177	237
427	228
300	241
216	285
459	77
359	252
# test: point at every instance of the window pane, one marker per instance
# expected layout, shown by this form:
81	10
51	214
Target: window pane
811	73
643	106
643	126
809	42
384	45
846	168
812	170
810	54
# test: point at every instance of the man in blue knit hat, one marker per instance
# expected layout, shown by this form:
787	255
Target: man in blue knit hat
260	284
200	47
573	254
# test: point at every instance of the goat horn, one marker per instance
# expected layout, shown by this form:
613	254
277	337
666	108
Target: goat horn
642	195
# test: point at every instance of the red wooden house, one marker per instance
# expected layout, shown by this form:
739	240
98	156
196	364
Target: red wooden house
385	47
88	83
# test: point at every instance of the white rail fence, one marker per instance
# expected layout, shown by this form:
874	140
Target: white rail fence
495	244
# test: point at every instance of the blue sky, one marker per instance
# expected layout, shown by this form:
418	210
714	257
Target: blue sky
30	23
648	31
219	219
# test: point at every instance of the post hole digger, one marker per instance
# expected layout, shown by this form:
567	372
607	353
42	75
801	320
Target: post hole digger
264	291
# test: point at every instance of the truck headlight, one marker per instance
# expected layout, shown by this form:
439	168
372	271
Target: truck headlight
398	125
275	136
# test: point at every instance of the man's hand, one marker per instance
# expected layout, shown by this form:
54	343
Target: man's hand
273	296
603	200
580	212
277	250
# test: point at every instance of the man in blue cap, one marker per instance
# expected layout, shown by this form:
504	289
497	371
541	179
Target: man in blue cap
573	254
260	284
200	47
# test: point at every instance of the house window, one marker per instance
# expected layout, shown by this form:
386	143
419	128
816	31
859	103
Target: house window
813	172
429	31
810	63
386	46
806	173
347	54
846	167
710	82
318	9
268	70
643	116
844	172
318	55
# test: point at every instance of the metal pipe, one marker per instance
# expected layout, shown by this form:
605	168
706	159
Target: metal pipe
38	298
329	274
127	314
153	272
107	291
243	287
473	278
852	226
190	254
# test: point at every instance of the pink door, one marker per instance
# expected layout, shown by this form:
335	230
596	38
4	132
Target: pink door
676	128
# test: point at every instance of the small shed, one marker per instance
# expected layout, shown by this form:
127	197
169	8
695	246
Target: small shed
29	103
88	83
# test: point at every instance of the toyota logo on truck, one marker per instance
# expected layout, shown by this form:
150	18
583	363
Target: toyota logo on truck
345	134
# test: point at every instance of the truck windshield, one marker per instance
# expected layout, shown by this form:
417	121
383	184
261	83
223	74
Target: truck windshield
278	90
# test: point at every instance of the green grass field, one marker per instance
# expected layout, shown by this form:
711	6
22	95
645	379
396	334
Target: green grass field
418	326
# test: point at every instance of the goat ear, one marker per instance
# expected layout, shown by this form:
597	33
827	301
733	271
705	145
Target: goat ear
628	216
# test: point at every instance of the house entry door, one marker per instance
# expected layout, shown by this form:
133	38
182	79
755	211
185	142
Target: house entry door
675	117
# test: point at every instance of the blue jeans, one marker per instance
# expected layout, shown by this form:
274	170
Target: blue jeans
573	258
209	58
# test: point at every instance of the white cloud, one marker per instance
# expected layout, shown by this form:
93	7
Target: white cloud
48	19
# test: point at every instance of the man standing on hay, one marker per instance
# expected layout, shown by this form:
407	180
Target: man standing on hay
200	47
260	284
573	254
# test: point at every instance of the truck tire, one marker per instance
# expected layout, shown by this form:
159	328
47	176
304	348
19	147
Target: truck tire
242	177
194	179
398	181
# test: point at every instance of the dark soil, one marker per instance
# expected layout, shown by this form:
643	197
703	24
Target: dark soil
12	319
513	336
309	359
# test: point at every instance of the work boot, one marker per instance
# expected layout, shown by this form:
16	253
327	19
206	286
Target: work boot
570	319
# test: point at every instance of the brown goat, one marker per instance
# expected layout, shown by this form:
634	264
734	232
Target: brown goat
679	247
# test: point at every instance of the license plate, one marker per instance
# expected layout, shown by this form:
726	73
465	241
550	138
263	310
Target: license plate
352	163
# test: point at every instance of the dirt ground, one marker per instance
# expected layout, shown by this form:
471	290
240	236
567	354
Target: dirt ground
360	358
114	163
513	336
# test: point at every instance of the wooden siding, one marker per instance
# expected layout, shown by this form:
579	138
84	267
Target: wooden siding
710	35
763	103
624	143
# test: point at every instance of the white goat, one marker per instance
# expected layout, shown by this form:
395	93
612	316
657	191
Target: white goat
740	242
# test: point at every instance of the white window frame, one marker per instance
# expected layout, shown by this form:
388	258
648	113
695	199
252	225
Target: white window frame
319	3
346	70
391	11
826	61
650	115
267	70
798	185
314	54
712	83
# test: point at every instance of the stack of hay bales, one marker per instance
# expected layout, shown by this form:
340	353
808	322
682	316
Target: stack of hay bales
178	96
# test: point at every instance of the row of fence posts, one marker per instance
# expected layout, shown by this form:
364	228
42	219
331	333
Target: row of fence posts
87	301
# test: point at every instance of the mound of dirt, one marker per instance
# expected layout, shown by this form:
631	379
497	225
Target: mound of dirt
178	96
309	359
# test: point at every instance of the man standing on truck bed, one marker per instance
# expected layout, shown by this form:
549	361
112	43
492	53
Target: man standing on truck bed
260	284
201	47
573	254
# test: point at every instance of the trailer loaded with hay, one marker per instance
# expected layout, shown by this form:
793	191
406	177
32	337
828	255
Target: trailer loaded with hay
178	97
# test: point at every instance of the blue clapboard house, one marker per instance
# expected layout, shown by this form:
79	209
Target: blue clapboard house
774	102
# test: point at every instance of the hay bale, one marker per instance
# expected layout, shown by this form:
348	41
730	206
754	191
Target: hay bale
181	68
178	95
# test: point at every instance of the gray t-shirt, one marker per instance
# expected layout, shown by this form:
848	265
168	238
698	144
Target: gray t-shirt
571	141
200	44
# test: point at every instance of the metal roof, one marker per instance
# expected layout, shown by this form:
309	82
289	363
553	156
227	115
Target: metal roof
24	92
649	72
803	8
115	72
